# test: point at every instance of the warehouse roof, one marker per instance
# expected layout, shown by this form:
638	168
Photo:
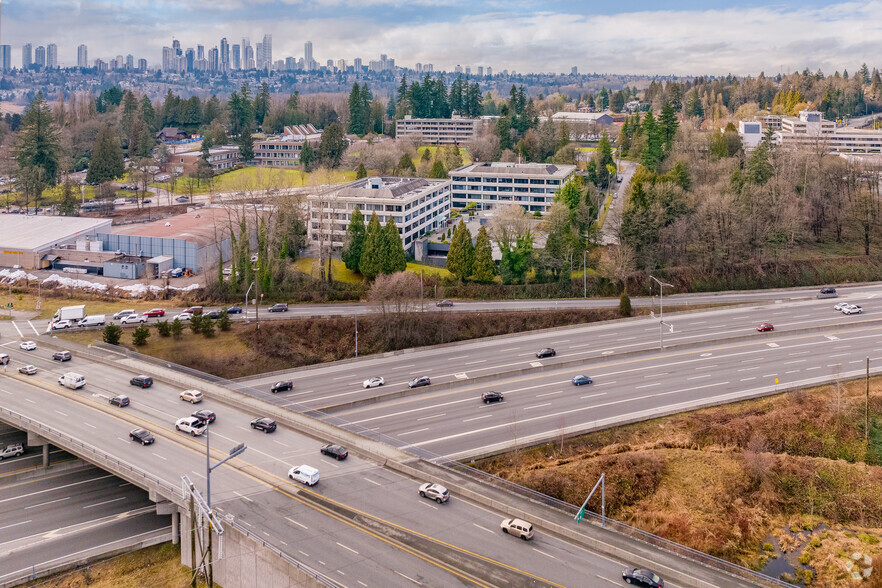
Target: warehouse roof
202	226
34	232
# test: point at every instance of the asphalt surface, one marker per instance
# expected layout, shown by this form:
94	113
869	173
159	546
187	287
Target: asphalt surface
333	546
61	517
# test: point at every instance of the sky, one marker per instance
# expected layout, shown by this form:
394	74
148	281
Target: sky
637	37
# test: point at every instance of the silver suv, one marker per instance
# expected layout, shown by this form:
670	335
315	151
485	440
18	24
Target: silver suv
13	450
436	492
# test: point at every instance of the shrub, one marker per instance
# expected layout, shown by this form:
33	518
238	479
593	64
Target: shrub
223	322
177	328
768	547
163	328
196	322
112	334
625	304
140	335
207	327
867	538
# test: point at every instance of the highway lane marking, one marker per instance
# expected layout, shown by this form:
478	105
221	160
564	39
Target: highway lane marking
647	385
486	416
484	528
303	553
792	372
160	457
798	353
418	583
837	355
282	444
748	379
242	496
593	395
362	583
371	481
45	503
699	377
16	524
414	431
537	406
857	361
344	547
559	342
344	377
596	384
88	425
434	416
31	401
656	374
794	361
706	367
613	582
123	440
427	505
543	553
105	502
64	414
756	367
197	474
475	362
30	324
509	349
457	357
817	367
549	394
53	488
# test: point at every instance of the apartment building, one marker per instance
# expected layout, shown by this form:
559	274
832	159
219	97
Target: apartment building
284	151
417	205
438	131
488	185
811	130
221	158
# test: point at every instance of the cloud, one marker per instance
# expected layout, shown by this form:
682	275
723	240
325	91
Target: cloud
515	35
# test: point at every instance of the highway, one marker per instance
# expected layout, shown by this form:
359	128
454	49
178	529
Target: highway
64	516
335	546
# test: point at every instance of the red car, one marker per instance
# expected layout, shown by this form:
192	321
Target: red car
155	312
765	327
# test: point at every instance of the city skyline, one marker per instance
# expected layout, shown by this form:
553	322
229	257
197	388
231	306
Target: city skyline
687	37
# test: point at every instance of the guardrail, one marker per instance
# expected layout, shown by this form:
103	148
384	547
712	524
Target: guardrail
463	469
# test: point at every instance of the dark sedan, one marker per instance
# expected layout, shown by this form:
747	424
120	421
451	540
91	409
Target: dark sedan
141	381
213	314
280	307
234	310
417	382
282	386
206	415
120	401
547	352
581	380
338	452
492	396
640	577
264	424
142	436
443	303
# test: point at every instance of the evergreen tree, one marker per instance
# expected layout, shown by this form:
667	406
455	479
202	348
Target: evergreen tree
332	146
107	161
261	105
394	258
176	327
667	126
438	172
625	304
693	106
246	144
356	120
307	156
70	204
112	334
405	166
484	267
355	234
148	113
652	154
38	145
361	173
140	335
461	256
570	194
371	263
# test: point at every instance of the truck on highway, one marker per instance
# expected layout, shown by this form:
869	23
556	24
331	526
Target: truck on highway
72	380
70	313
93	320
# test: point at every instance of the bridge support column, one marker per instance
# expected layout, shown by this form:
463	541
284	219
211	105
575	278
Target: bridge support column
34	441
187	546
165	507
46	456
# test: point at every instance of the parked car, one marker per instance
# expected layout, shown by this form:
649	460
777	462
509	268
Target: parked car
436	492
65	324
852	309
27	345
547	352
62	356
581	380
191	396
443	303
640	577
123	313
234	310
206	415
11	450
120	400
279	307
518	528
373	382
142	436
282	386
133	318
194	310
763	327
192	425
155	312
338	452
419	381
141	381
228	271
184	316
304	474
27	369
264	424
177	272
492	396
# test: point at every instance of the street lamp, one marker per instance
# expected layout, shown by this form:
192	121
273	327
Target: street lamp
246	300
661	321
237	450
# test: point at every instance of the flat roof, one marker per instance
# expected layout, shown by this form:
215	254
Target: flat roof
498	168
202	226
36	231
388	188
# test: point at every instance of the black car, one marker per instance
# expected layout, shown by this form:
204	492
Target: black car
234	310
141	381
492	396
547	352
120	401
182	199
336	451
61	356
206	415
280	307
443	303
142	436
282	386
264	424
213	314
640	577
420	381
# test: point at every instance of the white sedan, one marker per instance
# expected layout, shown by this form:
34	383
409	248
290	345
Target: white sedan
374	382
61	325
184	316
27	345
133	318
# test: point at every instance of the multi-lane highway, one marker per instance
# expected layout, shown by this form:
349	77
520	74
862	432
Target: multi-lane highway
286	514
69	516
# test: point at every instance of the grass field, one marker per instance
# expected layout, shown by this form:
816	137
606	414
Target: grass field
308	265
258	178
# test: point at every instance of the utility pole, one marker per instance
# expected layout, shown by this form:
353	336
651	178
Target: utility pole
867	409
585	274
661	322
356	333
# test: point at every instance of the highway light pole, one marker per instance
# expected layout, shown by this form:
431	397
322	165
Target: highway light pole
661	319
246	299
235	451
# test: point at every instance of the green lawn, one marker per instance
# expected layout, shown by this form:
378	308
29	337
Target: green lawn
258	178
308	265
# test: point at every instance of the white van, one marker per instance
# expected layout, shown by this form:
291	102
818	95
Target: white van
72	380
93	320
123	313
119	201
305	474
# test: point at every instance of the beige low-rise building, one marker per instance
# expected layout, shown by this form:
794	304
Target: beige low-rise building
488	185
438	131
284	151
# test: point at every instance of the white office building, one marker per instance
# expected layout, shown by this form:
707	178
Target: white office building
438	131
417	205
488	185
810	130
